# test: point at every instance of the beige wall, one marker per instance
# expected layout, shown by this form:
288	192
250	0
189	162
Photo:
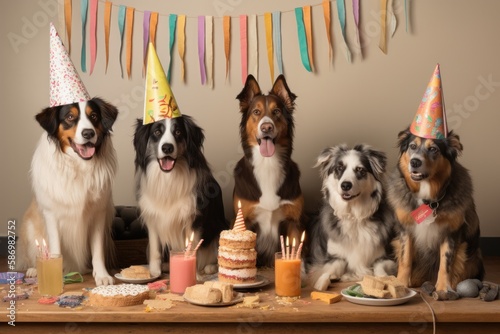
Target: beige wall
367	101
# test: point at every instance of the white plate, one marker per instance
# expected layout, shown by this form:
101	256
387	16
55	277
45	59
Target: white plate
237	298
136	280
259	281
378	301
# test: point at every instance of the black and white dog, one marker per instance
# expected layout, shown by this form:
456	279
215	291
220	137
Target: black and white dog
176	191
353	232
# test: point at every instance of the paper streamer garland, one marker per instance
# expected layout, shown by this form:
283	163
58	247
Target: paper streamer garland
341	12
93	34
393	21
277	40
153	24
227	41
61	19
327	16
68	11
355	11
172	24
383	26
304	55
84	4
243	48
130	29
253	46
268	23
181	41
145	38
201	48
308	26
209	49
107	24
121	27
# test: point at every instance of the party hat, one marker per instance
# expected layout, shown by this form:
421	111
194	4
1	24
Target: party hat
239	223
430	120
66	87
159	102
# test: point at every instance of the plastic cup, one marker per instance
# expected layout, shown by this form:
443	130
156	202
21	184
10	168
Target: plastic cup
287	276
50	274
182	271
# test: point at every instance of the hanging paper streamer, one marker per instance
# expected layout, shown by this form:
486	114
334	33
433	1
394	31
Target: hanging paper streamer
383	26
201	48
93	34
84	4
308	25
181	41
209	49
153	24
268	22
130	29
299	17
243	48
253	46
121	27
227	40
355	10
277	40
392	19
341	12
172	23
67	18
107	23
145	39
327	15
407	13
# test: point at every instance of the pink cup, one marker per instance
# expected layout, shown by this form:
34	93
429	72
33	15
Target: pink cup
182	271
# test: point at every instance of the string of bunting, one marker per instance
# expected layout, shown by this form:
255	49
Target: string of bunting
248	35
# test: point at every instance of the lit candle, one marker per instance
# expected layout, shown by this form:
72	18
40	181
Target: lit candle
190	243
39	249
45	249
293	248
301	243
282	246
287	248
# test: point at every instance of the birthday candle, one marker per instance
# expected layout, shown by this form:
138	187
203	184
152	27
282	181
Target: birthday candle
293	248
282	246
301	243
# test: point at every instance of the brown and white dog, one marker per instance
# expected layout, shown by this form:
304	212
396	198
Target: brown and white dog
444	248
72	172
266	178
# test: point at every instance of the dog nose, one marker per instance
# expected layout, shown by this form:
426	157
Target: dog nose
88	133
267	127
167	148
415	163
346	185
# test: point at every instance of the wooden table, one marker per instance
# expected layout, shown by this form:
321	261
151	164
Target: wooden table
301	316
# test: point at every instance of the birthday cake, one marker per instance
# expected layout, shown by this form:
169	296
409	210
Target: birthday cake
237	257
118	295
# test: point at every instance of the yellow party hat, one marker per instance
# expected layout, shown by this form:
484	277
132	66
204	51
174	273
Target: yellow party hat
159	102
430	119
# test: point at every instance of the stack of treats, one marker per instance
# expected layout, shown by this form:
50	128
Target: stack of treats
237	257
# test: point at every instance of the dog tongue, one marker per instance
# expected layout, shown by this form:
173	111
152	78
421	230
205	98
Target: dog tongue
85	151
266	147
167	164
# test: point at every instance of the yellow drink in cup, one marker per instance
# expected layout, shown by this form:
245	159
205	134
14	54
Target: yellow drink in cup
287	276
50	275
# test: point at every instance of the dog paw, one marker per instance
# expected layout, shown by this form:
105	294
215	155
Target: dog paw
350	277
103	280
210	269
323	282
428	288
445	295
155	270
31	272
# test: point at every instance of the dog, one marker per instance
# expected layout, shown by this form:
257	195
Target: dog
266	178
176	191
351	236
444	248
72	171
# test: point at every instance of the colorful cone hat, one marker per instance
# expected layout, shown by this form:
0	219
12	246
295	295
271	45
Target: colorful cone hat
66	87
430	119
159	102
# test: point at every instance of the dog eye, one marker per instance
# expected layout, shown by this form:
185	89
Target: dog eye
256	112
432	149
361	170
70	118
413	146
93	117
276	112
177	133
157	133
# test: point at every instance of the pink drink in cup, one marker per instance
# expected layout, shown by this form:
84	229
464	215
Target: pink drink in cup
182	271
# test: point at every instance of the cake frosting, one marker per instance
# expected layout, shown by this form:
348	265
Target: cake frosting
237	257
118	295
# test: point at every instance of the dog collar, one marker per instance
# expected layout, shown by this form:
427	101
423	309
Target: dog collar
434	204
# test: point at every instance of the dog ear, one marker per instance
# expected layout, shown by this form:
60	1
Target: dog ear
48	120
377	160
327	157
404	139
141	137
454	146
250	91
109	112
280	89
194	138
